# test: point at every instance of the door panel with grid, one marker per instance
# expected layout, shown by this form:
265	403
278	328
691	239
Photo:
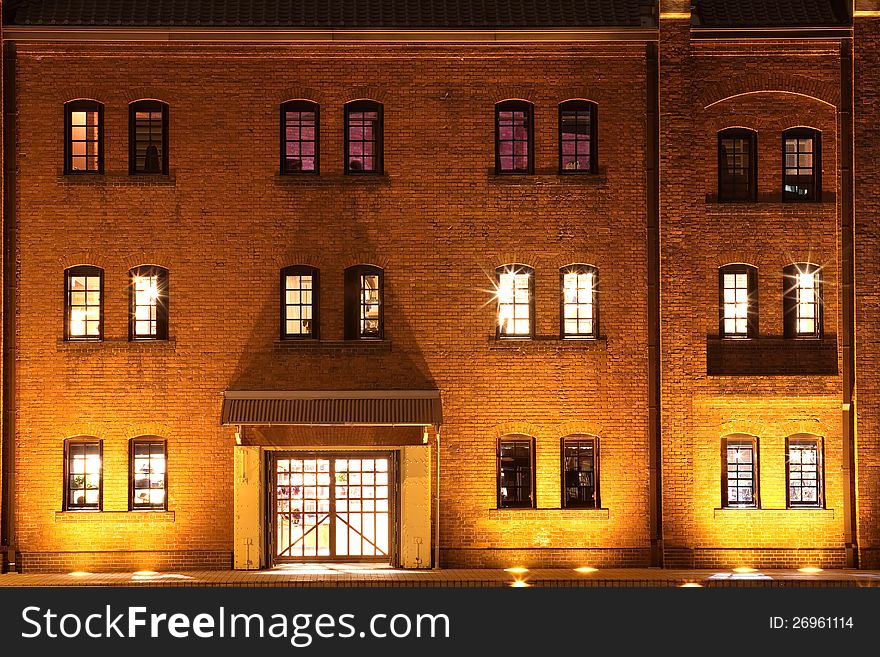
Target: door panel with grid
332	507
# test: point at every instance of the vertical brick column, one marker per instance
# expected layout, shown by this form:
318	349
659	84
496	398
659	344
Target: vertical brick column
866	106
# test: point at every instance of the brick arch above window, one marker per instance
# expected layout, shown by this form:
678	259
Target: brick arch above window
579	427
316	260
765	82
146	93
806	254
88	430
365	258
300	93
811	427
515	428
501	94
159	431
84	258
375	94
746	427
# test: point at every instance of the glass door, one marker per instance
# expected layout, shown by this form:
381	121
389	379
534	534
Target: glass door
332	507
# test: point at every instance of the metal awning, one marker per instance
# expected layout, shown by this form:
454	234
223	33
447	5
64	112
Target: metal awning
420	408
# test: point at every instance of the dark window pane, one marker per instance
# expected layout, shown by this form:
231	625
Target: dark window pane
515	474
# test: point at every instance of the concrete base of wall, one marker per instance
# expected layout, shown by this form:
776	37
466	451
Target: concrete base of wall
104	562
767	558
869	558
545	558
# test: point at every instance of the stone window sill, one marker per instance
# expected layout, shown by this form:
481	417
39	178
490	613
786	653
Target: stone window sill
542	343
548	176
138	516
116	344
727	512
119	179
543	513
335	179
359	346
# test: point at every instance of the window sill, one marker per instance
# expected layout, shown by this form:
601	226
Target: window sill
116	344
601	513
548	176
114	179
715	207
547	343
357	346
726	512
322	180
133	517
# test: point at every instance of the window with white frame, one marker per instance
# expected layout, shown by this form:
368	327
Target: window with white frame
515	291
804	470
579	302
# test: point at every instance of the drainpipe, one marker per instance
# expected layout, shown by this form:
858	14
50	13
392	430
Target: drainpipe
847	274
437	505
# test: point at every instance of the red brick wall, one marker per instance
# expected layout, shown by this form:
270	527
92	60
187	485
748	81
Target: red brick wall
225	223
767	86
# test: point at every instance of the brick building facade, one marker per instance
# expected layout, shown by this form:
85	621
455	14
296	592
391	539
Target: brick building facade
466	434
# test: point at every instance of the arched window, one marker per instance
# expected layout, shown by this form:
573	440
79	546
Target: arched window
580	472
148	303
299	137
83	474
363	138
802	300
364	303
516	301
84	303
516	472
514	140
299	302
801	165
148	137
739	472
578	143
148	474
738	301
580	301
804	471
737	165
83	137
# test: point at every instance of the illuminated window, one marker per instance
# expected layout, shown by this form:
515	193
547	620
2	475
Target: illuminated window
803	301
148	476
737	165
802	170
515	301
299	302
804	472
738	287
364	303
148	137
580	310
515	470
363	137
84	303
740	473
580	484
83	474
513	137
148	303
299	137
577	137
84	137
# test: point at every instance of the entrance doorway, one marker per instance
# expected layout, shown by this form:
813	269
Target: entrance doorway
332	506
